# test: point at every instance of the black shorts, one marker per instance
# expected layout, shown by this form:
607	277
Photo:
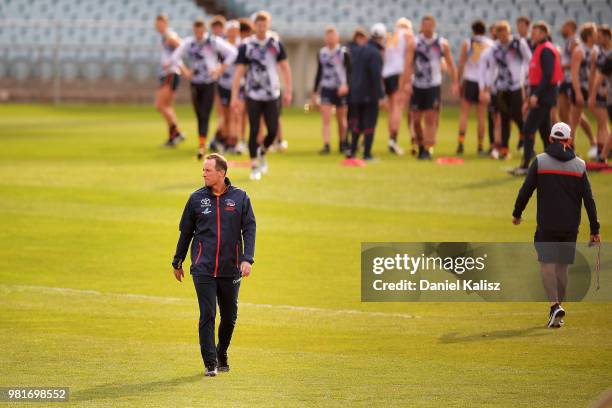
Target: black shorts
171	79
565	89
329	96
425	98
555	247
391	84
470	91
600	101
225	95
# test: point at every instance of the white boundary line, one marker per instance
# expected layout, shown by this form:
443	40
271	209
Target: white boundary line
170	299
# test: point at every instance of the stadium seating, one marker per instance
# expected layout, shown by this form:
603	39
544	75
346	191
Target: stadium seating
111	38
116	39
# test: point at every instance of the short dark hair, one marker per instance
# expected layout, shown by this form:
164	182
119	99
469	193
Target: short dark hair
605	30
478	27
587	30
220	161
429	17
246	26
571	22
523	19
162	17
198	22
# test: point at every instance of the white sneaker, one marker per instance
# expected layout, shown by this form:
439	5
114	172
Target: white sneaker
255	174
495	154
240	147
395	148
592	154
263	165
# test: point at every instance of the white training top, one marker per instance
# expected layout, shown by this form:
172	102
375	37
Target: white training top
427	67
395	53
475	49
205	55
168	65
508	64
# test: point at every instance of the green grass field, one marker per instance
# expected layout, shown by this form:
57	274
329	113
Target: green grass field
89	209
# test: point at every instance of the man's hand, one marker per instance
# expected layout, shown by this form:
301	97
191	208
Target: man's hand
533	101
245	269
592	101
235	105
343	90
579	99
455	89
179	274
484	97
594	239
216	73
188	74
516	220
287	98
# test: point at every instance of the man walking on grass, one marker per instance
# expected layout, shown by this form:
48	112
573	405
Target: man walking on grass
219	223
562	183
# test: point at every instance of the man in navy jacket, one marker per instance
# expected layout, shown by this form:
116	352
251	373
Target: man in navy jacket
219	223
366	89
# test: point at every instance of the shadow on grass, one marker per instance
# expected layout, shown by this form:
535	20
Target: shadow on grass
485	183
125	390
534	331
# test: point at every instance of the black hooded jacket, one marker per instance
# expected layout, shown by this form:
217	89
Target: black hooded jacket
562	183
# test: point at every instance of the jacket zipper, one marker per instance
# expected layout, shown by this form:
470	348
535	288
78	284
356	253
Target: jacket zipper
218	238
199	252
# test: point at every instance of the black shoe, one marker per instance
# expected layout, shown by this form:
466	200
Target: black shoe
556	316
169	143
368	158
460	148
200	154
222	364
424	155
210	371
325	150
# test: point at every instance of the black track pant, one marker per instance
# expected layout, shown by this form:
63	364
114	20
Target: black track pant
210	291
510	105
538	118
270	112
202	98
362	119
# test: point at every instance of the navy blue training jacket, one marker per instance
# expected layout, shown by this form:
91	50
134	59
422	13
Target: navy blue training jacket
221	230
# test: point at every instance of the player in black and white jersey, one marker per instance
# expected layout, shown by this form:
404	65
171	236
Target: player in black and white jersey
422	79
259	60
509	59
231	122
203	53
168	79
468	69
568	32
396	48
582	66
331	86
